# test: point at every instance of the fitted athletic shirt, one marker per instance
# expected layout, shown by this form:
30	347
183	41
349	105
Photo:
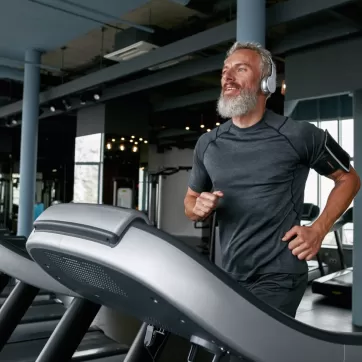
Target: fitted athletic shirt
262	171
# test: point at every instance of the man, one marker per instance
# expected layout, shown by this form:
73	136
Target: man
252	170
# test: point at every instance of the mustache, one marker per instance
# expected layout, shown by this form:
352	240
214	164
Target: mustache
233	85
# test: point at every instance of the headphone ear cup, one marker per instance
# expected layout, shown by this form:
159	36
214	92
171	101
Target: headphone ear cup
264	85
271	85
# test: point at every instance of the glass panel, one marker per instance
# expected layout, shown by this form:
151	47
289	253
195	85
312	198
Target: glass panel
326	188
88	148
311	188
331	127
348	234
347	136
86	183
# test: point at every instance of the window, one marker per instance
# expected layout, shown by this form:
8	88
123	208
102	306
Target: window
347	136
86	183
318	187
311	188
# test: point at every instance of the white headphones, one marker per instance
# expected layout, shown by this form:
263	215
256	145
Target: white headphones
269	84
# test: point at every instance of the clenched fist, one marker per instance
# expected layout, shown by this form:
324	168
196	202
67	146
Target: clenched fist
206	203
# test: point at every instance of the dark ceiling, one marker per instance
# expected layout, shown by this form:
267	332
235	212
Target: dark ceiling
195	18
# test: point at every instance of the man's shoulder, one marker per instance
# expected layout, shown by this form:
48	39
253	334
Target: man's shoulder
288	126
208	137
275	120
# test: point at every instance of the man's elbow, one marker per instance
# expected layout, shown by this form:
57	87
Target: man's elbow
356	180
358	183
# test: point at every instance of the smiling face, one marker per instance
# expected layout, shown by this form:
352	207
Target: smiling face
240	83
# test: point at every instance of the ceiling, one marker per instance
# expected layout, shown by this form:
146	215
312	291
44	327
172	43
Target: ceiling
88	48
42	25
74	36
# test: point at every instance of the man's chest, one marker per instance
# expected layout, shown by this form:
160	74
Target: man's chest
250	162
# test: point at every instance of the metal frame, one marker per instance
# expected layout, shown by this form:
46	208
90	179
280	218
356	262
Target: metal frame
14	309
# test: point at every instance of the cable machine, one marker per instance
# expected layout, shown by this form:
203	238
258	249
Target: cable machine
155	184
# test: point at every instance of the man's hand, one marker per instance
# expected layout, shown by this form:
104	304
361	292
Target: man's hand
206	203
306	243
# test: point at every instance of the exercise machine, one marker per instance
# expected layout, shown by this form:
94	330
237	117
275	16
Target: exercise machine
123	192
27	324
115	257
338	284
155	184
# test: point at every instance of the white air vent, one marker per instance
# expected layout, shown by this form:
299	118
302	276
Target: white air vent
131	51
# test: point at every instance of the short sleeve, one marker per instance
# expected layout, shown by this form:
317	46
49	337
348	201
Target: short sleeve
199	180
306	139
313	139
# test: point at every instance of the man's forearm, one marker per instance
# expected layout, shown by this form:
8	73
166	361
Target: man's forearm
189	203
339	199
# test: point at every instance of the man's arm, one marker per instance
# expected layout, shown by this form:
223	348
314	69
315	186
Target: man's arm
200	206
199	180
190	202
319	151
346	187
309	239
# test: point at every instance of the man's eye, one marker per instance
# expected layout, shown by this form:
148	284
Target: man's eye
241	69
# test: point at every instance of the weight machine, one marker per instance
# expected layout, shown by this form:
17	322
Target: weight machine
155	184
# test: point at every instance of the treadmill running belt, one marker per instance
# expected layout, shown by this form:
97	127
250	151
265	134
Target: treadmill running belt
40	313
345	279
6	292
116	358
30	331
92	343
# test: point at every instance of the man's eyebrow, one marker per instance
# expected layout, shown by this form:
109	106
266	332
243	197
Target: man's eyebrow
238	65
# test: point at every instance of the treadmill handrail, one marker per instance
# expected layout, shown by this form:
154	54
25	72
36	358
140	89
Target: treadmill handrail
12	243
186	251
346	338
168	171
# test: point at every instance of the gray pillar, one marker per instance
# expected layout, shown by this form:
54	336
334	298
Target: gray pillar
29	142
251	21
357	212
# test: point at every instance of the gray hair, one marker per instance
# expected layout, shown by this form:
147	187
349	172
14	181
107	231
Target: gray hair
265	55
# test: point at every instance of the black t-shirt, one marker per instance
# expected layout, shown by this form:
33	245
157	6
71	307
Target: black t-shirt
262	171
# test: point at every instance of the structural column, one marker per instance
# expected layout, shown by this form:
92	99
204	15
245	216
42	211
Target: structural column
251	21
357	212
29	142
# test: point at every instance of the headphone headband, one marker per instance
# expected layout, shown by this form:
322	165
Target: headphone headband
269	83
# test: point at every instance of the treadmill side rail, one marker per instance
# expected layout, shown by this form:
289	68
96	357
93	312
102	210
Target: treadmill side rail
100	223
166	284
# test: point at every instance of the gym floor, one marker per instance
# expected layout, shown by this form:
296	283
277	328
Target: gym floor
325	313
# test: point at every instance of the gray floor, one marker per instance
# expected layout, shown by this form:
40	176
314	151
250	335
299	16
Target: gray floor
325	313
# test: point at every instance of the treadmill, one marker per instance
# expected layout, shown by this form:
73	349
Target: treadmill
338	284
172	289
30	315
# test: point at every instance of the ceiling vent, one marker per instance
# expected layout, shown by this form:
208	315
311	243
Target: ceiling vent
171	63
133	42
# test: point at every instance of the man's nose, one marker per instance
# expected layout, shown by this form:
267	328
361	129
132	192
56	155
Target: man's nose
229	75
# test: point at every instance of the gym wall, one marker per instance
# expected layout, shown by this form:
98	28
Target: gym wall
330	70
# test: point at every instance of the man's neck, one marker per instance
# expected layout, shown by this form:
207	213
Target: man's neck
250	118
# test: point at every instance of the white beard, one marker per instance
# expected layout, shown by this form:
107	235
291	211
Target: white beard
240	105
